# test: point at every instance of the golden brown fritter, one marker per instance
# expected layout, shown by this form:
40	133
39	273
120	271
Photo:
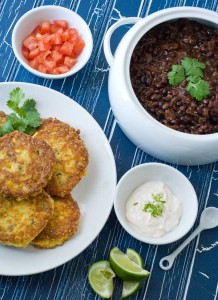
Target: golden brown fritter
3	117
71	156
63	224
21	222
25	165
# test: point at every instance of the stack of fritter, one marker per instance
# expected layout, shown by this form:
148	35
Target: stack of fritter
37	175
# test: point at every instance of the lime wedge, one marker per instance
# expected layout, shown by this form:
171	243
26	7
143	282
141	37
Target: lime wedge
125	268
131	287
135	257
101	278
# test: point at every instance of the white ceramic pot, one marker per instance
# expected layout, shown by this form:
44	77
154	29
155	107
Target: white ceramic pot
139	126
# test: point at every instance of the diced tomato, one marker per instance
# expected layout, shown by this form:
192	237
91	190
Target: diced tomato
47	37
38	36
45	27
41	68
60	70
34	53
36	30
25	52
78	47
54	28
44	45
57	47
56	56
42	56
56	38
49	63
73	35
52	48
33	63
55	71
74	55
61	23
69	61
65	35
30	43
66	48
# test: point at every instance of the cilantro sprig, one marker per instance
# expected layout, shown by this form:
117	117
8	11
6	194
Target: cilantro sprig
25	117
190	70
156	207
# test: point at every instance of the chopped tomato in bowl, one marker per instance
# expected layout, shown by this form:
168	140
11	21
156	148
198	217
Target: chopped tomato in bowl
52	47
52	41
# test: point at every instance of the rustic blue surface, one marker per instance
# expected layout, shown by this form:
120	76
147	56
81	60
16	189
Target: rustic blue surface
195	272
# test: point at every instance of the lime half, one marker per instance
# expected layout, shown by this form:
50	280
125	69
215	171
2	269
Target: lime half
101	278
131	287
125	268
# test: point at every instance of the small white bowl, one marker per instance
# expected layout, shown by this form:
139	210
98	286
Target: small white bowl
34	17
179	185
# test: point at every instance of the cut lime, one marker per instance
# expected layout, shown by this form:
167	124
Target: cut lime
135	257
125	268
101	278
131	287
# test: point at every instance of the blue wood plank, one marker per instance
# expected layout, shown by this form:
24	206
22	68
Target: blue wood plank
194	274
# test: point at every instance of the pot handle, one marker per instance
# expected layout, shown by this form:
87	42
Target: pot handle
107	48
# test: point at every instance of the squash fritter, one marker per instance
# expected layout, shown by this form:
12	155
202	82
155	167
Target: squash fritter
25	165
71	155
21	222
63	224
3	118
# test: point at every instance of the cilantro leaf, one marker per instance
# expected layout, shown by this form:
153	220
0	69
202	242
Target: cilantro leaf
198	89
33	118
29	104
6	128
30	130
193	79
193	67
25	117
176	75
16	122
15	98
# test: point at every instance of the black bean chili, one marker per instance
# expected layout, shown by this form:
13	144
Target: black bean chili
152	59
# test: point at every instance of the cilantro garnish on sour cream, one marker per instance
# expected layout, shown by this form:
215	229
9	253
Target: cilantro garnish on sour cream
156	207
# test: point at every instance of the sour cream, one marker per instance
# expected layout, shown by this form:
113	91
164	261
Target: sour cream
142	220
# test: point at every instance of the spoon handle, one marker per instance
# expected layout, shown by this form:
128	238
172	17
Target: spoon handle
167	261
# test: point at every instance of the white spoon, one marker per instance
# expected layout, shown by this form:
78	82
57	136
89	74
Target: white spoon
209	219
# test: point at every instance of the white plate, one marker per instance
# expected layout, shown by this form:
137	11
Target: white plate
94	193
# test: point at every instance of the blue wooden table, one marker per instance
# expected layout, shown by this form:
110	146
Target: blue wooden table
195	272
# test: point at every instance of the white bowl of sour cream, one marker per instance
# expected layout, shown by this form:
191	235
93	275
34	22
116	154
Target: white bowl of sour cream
155	203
